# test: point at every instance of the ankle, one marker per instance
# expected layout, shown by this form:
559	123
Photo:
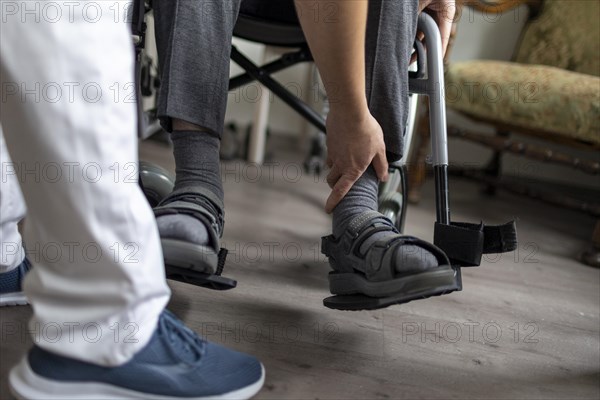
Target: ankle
362	197
197	163
180	125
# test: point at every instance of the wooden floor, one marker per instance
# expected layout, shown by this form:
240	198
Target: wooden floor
526	325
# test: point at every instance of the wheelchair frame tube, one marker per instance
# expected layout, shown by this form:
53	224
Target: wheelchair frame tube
433	87
285	61
138	32
263	77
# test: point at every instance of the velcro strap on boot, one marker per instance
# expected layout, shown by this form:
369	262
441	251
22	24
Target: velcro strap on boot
222	258
192	200
325	245
465	243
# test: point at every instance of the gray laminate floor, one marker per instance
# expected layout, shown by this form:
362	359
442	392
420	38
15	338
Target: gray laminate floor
526	325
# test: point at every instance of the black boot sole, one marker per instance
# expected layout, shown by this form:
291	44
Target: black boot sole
443	280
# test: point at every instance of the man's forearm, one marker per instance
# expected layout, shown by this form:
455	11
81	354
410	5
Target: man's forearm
335	31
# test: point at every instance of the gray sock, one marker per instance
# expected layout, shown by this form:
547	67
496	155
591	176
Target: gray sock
197	165
363	197
197	161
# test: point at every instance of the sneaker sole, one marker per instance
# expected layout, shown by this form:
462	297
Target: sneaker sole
27	385
13	299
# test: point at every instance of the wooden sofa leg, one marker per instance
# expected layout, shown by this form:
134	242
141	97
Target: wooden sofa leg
591	256
494	167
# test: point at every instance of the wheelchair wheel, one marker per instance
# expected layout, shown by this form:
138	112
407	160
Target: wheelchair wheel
315	162
156	182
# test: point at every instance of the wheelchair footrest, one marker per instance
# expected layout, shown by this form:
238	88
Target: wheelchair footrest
465	243
209	281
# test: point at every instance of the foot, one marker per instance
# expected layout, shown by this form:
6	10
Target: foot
11	292
365	233
374	266
176	363
190	224
182	227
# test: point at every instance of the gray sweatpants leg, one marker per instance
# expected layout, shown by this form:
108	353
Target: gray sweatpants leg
193	38
194	45
391	31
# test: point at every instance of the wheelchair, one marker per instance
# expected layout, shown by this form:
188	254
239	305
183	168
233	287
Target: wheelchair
273	27
463	243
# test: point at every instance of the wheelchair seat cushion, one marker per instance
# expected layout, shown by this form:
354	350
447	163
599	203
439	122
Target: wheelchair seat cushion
270	22
281	11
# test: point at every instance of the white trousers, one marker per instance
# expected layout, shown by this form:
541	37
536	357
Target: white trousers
69	121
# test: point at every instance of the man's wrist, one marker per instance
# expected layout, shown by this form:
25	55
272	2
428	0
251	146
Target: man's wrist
352	106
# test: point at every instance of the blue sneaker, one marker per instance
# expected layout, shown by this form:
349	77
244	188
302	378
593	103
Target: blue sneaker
11	293
175	364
